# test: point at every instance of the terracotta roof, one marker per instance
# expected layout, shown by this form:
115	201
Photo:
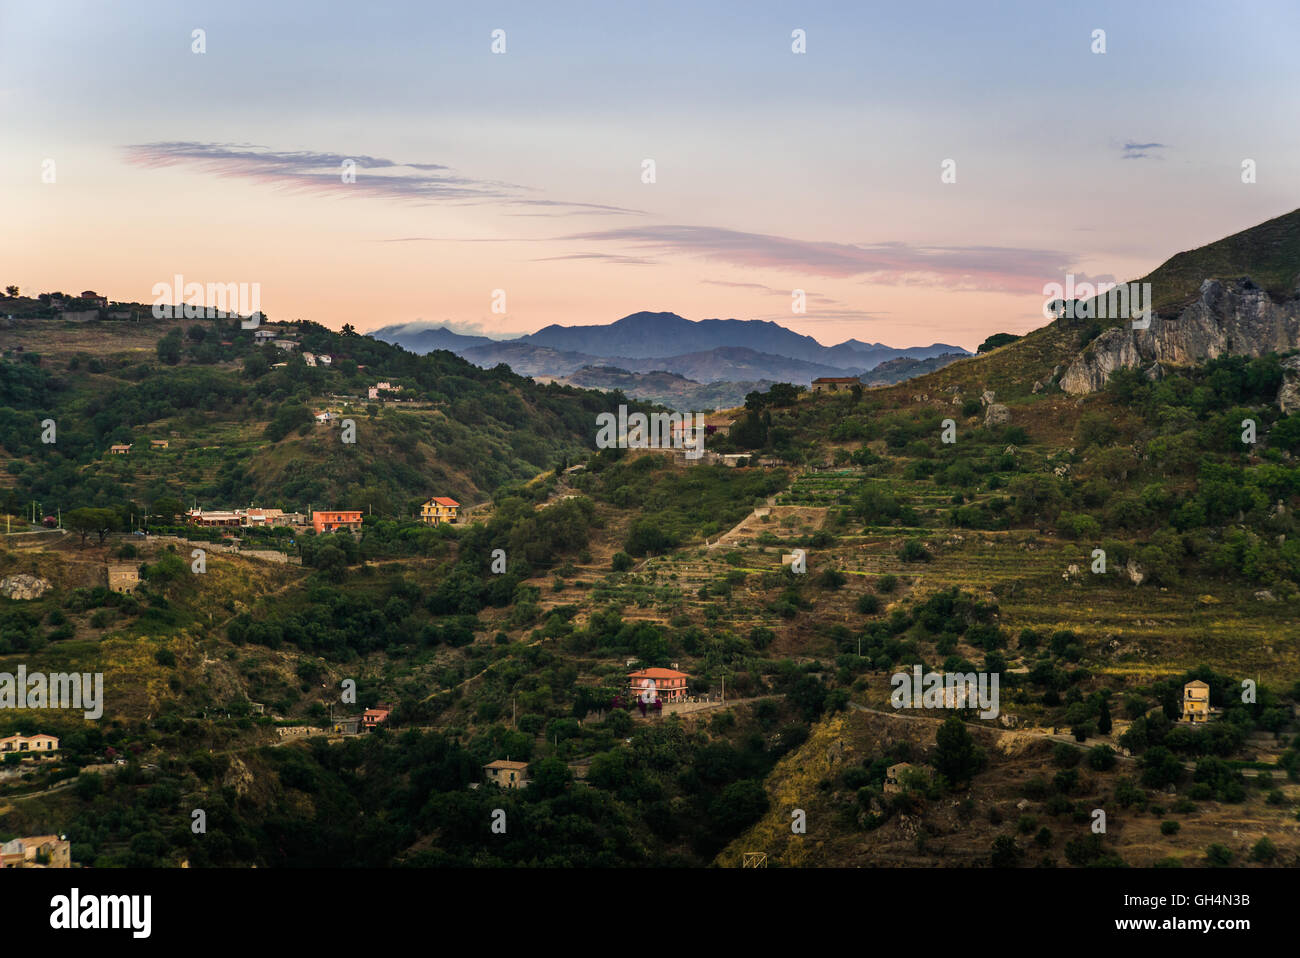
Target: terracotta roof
502	763
444	501
657	674
1196	684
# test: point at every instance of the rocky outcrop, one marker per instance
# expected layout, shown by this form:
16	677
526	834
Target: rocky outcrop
1228	318
23	586
1288	394
997	415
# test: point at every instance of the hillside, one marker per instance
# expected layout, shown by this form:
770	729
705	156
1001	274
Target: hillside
238	418
1236	296
1095	553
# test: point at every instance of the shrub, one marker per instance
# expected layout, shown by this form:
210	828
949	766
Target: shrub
868	604
1219	856
1102	758
1264	850
914	550
1065	756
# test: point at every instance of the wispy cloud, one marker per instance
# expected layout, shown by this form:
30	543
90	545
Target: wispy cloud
985	268
602	257
306	171
810	296
1140	151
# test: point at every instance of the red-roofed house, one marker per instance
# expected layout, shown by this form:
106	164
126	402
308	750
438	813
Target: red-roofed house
439	509
668	684
373	717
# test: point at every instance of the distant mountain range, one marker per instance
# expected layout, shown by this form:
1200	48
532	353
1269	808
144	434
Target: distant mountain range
733	352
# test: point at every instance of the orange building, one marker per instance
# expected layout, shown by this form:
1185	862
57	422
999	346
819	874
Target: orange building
333	521
667	684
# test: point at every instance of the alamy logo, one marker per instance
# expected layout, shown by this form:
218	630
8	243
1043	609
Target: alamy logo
1112	300
58	690
181	300
656	431
74	911
946	690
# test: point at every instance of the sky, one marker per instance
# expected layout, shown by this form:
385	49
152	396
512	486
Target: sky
499	192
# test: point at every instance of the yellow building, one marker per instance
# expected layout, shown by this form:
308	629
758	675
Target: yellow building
439	509
1196	702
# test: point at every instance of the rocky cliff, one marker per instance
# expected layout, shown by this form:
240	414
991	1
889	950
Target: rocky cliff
1226	318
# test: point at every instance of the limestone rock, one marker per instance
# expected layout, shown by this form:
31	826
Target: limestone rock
987	397
237	776
1288	394
997	414
1134	572
1234	318
23	586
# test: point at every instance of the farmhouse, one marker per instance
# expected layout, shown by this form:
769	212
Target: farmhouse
833	383
119	449
507	774
30	743
197	517
36	851
263	336
264	517
158	443
438	510
123	576
372	718
666	684
893	776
